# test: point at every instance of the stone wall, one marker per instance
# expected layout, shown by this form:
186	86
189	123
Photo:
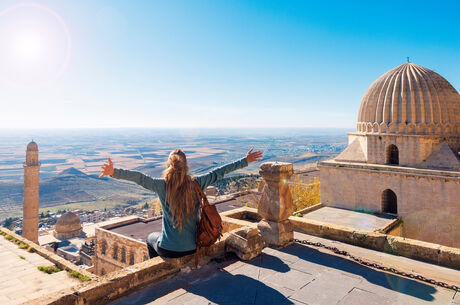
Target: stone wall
413	149
415	249
427	201
134	252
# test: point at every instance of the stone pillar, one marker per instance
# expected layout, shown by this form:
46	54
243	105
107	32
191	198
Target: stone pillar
275	205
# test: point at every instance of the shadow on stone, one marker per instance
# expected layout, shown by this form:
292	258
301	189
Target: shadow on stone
380	278
268	261
208	286
226	288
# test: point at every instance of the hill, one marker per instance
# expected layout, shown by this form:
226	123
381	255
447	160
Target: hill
71	186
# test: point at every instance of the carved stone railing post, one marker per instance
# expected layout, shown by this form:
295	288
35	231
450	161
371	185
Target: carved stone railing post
275	205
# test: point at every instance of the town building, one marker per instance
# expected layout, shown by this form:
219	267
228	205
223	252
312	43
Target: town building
68	226
403	158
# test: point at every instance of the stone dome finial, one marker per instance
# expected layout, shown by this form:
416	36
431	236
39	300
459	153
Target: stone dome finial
32	146
410	99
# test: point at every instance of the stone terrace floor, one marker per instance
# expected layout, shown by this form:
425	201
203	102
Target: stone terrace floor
20	280
353	219
299	274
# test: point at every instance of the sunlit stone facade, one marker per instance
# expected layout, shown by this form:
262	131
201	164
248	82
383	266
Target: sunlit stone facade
116	251
404	157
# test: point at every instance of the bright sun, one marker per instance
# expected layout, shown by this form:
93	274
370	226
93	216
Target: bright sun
28	45
35	45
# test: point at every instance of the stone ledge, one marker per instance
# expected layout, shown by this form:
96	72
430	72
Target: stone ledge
415	249
104	289
310	209
407	171
376	134
54	258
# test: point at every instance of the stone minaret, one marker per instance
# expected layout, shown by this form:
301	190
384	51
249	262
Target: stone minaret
31	197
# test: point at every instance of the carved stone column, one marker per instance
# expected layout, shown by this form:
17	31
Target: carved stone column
275	205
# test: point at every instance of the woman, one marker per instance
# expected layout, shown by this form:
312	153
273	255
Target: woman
178	201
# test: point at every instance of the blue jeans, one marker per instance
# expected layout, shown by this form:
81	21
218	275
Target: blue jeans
155	249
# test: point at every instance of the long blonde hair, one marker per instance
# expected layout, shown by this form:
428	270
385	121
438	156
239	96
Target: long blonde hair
180	193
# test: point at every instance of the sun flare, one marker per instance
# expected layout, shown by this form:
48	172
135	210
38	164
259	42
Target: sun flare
29	45
36	45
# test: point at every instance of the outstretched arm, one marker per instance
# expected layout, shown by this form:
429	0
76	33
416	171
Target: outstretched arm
211	177
137	177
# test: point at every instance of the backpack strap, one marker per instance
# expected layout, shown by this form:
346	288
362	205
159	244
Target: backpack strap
203	201
201	195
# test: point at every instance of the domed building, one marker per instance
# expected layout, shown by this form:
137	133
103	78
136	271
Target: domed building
404	158
68	226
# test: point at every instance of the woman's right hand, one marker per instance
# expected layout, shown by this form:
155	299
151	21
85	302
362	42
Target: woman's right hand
107	169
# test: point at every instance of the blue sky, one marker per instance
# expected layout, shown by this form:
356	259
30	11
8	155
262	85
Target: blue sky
211	63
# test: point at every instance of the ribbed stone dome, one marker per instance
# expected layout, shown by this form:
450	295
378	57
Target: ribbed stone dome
32	146
410	99
68	225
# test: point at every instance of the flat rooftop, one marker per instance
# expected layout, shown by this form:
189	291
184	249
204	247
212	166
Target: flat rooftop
353	219
300	274
21	281
140	230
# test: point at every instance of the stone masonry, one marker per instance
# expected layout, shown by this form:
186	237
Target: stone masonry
275	205
31	194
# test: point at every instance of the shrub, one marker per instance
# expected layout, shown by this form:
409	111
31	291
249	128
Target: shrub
31	250
49	270
305	194
9	237
21	257
23	246
80	276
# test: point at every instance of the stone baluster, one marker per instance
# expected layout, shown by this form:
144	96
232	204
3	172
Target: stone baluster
275	205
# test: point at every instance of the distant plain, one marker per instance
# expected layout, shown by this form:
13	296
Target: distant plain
81	152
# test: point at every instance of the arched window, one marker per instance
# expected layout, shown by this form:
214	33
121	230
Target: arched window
389	202
115	252
131	258
103	271
103	247
392	156
145	257
123	255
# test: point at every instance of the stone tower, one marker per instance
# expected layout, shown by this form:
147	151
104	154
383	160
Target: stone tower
31	196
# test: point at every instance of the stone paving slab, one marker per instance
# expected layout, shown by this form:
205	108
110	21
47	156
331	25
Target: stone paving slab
20	280
362	297
456	299
296	274
348	218
439	273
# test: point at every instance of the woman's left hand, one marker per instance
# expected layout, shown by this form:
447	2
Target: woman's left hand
253	156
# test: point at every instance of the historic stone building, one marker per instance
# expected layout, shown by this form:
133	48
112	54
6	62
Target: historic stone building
404	157
68	226
122	244
31	193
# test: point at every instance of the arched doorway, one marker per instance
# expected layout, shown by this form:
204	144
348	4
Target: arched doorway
392	156
389	202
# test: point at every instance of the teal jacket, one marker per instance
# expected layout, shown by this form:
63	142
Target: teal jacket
171	238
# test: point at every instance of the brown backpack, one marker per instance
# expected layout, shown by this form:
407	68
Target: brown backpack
209	229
